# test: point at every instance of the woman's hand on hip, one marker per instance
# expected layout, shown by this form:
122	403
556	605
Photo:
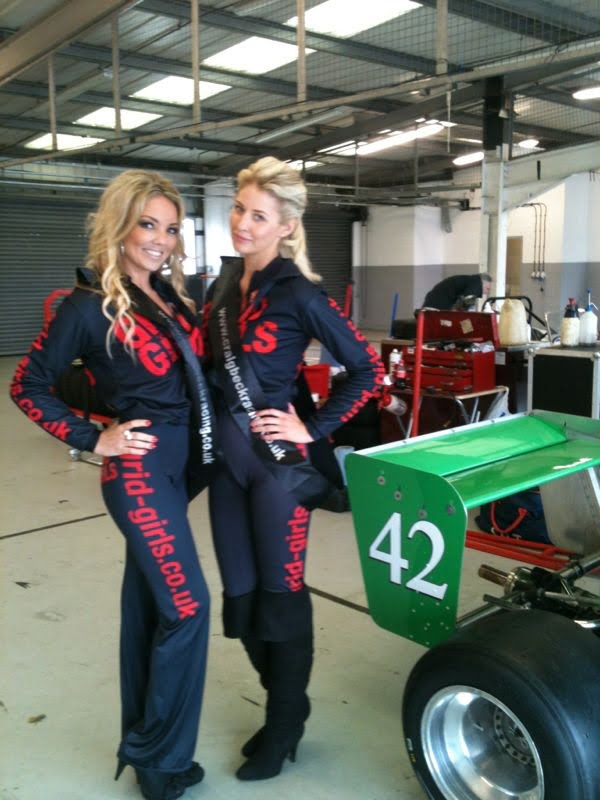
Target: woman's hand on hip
120	439
271	424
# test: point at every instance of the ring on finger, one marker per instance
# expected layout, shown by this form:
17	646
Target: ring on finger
128	435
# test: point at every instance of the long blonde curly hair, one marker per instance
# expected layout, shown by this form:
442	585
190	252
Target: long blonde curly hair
121	205
285	184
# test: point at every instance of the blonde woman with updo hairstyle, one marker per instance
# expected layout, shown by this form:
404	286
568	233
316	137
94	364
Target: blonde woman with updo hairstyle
138	336
261	314
286	184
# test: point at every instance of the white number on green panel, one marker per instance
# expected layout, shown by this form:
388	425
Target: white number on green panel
392	531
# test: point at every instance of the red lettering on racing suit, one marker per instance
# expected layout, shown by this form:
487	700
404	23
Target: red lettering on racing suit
60	429
153	348
265	338
297	539
154	530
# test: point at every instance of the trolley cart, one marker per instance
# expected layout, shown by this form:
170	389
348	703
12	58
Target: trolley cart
505	702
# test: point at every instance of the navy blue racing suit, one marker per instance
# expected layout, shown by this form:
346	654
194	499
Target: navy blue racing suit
259	526
164	601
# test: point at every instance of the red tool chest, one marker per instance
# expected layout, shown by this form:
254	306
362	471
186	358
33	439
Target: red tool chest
451	360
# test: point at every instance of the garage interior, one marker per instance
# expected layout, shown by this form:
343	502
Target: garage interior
375	110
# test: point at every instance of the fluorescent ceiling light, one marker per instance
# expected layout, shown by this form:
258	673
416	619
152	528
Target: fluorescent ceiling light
470	158
334	18
64	141
528	144
105	117
254	55
443	122
587	94
180	91
334	147
385	143
299	165
469	141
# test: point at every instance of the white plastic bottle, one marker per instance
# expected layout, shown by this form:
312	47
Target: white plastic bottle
570	325
588	324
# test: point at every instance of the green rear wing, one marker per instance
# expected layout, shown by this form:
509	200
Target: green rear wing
410	499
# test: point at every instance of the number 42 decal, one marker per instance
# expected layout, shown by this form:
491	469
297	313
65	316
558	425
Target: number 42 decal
393	530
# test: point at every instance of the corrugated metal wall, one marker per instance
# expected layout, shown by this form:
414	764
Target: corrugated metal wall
41	245
42	242
329	239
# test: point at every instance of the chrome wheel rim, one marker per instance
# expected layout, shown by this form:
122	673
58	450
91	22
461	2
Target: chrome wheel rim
476	748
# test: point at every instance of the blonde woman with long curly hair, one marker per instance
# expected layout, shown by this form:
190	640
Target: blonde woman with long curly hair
137	334
119	211
261	314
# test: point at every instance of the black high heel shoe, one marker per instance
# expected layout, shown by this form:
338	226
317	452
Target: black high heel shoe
271	751
156	785
250	747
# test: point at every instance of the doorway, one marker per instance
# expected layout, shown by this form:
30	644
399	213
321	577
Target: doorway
514	265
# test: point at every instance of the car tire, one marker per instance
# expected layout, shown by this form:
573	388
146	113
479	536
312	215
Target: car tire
508	707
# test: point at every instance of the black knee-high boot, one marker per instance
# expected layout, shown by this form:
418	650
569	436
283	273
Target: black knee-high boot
287	675
258	655
289	666
238	623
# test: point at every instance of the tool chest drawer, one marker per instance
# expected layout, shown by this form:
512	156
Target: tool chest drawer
453	370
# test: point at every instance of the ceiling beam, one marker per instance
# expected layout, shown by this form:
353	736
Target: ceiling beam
440	84
39	91
165	66
556	136
35	42
533	18
197	142
256	26
530	175
431	106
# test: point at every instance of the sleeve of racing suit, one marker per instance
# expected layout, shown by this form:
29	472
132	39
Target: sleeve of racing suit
32	386
324	320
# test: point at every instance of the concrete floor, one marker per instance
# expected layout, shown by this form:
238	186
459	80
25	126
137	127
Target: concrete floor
62	560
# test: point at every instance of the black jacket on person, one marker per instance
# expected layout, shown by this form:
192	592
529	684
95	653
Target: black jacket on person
150	384
275	335
447	292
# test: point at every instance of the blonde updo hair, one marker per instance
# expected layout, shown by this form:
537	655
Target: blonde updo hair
121	205
286	185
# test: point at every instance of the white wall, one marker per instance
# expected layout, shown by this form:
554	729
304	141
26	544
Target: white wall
389	236
414	236
462	245
593	218
572	225
521	222
428	236
575	246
